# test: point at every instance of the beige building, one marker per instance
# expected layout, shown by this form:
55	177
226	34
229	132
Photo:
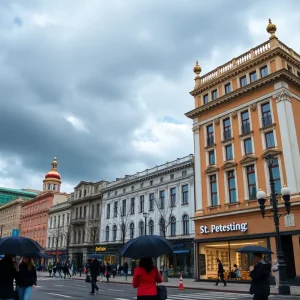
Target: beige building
10	217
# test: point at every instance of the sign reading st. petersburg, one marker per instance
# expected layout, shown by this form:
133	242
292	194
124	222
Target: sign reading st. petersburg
242	227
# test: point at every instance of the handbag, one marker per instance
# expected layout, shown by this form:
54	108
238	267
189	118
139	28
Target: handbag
162	293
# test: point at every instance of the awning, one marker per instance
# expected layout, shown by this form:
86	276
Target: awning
181	251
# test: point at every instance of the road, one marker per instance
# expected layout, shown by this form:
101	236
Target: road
56	289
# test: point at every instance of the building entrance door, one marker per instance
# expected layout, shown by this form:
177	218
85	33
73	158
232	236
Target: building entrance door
288	251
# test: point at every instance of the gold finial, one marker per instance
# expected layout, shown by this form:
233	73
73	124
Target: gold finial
197	68
271	28
54	163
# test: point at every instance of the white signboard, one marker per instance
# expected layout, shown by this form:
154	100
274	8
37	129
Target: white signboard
242	227
289	220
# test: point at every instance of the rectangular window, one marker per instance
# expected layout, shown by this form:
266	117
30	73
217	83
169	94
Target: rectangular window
84	211
132	188
276	176
162	195
227	88
243	81
251	181
142	185
185	194
205	99
211	157
124	207
248	146
214	94
116	193
210	135
76	212
108	211
227	129
270	141
173	197
151	201
98	210
266	115
263	71
68	219
142	203
231	186
290	68
80	212
253	76
124	191
228	152
132	205
93	211
213	190
115	209
151	182
245	121
161	179
184	173
171	176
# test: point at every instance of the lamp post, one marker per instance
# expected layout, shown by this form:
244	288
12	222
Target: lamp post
284	287
145	216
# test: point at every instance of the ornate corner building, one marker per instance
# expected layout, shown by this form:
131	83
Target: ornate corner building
245	110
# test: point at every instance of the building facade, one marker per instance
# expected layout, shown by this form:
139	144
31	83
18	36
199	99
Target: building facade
86	201
245	110
34	222
158	201
59	231
7	195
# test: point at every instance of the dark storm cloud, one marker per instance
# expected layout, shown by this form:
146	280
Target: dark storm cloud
87	65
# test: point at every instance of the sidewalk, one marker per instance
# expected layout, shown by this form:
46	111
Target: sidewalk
192	284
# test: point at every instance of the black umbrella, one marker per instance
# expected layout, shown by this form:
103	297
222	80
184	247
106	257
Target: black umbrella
95	256
147	246
255	249
37	255
17	245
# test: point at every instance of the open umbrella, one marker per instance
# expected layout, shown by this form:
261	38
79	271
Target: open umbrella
147	246
37	255
17	245
95	256
255	249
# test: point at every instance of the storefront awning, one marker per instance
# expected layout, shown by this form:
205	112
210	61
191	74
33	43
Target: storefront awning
181	251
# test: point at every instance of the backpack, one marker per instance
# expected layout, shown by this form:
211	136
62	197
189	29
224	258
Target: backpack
162	293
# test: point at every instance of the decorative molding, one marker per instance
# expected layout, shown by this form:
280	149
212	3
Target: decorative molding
248	159
284	95
250	133
228	141
234	114
210	147
253	106
211	169
273	152
229	164
196	129
217	121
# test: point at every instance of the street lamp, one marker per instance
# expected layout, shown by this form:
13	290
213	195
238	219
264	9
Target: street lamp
284	287
145	216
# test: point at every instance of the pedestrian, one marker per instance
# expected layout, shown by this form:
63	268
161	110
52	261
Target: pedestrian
260	274
8	272
107	271
118	269
102	270
50	268
66	270
275	272
125	269
114	270
145	278
26	278
94	270
220	273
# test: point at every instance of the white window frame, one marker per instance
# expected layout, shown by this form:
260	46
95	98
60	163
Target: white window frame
209	204
264	139
224	150
242	139
227	188
259	110
245	179
240	119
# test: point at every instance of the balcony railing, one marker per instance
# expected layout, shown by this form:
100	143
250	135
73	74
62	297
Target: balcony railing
246	128
210	141
78	221
267	121
227	134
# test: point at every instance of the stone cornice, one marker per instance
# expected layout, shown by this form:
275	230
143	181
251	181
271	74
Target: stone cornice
229	164
283	73
211	169
248	159
272	152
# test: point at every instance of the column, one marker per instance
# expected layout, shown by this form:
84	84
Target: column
289	139
296	247
197	169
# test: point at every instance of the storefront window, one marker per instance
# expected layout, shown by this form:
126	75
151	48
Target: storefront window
227	252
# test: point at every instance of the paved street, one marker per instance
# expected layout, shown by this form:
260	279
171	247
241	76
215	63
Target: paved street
50	289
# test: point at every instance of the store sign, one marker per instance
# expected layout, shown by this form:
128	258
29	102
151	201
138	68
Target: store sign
289	220
100	249
242	227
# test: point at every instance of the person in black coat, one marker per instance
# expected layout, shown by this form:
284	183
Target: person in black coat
220	273
26	278
8	272
94	269
260	285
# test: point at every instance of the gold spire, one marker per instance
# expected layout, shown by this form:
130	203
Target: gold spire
271	28
54	163
197	68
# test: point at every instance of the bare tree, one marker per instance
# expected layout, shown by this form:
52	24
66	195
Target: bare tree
57	235
67	235
93	229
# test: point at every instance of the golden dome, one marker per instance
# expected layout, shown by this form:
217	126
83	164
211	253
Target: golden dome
271	28
53	173
197	68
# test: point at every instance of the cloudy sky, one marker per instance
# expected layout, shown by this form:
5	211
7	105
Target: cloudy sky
104	85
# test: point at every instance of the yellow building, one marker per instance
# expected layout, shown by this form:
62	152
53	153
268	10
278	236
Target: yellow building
245	110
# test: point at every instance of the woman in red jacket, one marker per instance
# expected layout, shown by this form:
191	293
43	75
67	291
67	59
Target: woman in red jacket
145	278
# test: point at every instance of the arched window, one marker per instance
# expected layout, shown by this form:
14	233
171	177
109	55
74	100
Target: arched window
186	224
49	187
132	230
162	227
114	233
107	234
173	226
54	187
142	230
151	227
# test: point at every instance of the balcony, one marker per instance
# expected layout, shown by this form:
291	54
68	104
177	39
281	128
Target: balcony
266	121
78	221
210	141
245	128
227	134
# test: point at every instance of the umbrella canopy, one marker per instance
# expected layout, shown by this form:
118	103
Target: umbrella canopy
17	245
37	255
147	246
255	249
95	256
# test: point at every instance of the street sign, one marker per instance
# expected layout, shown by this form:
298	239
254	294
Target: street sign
15	232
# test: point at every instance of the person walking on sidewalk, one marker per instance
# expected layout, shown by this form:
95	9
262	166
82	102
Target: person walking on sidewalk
94	269
125	269
220	273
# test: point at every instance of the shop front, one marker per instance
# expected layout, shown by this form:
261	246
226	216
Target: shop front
110	253
221	236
